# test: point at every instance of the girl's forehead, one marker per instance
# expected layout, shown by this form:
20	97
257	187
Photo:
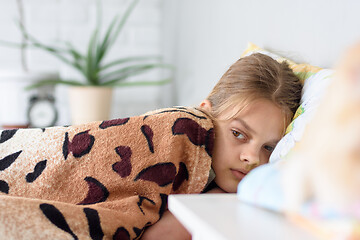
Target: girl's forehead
240	107
233	109
262	108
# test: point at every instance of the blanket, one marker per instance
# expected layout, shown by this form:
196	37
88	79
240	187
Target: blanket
101	180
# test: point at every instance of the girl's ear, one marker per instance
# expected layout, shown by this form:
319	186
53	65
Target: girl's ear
206	105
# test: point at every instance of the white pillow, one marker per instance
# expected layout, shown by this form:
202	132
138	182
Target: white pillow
262	186
313	90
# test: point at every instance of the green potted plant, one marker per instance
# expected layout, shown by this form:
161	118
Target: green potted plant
99	77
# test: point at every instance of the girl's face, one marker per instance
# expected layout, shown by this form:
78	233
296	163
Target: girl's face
245	142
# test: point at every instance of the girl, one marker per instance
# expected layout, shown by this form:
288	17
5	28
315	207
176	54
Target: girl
251	106
111	179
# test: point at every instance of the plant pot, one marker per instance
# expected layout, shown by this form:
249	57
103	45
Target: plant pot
89	104
15	100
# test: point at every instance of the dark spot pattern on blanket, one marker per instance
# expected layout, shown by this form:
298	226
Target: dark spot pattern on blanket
138	231
113	122
65	148
148	133
96	232
4	187
196	134
8	160
39	168
176	110
163	207
123	168
209	145
141	199
162	174
181	176
80	145
7	134
121	234
56	217
97	192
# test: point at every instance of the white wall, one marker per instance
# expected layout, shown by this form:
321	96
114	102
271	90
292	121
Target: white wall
202	38
54	21
212	34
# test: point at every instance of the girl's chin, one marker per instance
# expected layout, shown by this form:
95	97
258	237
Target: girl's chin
228	188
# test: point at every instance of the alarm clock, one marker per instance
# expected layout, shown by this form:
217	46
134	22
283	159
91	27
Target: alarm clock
42	111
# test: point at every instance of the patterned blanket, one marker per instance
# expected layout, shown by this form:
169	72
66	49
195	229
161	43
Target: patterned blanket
101	180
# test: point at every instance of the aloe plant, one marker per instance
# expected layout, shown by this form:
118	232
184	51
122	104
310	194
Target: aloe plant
91	64
23	47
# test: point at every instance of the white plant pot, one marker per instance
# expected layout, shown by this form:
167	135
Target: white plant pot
14	99
89	104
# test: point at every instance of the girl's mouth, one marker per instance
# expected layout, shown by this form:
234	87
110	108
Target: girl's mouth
238	173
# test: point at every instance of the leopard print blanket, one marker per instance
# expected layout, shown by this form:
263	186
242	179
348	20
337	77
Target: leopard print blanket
101	180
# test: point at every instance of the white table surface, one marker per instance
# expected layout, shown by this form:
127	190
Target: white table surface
224	217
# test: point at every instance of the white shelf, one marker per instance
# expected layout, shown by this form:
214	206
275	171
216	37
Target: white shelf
224	217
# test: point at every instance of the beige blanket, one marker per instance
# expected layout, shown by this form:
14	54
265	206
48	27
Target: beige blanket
101	180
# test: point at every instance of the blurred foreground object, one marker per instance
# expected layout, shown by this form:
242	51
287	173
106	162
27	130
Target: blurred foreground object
321	177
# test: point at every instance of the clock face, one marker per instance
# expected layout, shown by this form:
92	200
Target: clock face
42	113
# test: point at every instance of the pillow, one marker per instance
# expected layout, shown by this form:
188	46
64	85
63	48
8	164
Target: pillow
313	90
261	187
264	186
315	80
302	71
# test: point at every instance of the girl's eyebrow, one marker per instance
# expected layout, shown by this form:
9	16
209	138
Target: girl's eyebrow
242	122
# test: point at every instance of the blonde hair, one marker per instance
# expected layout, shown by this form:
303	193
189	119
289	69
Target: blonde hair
256	77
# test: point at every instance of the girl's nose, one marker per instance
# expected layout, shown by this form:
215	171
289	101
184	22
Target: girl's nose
250	155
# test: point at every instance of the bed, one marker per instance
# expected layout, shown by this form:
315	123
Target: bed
308	32
260	195
316	33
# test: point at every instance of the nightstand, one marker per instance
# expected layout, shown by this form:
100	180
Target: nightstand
225	217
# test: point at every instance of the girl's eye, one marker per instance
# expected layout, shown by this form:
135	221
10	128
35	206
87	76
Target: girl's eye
238	134
269	148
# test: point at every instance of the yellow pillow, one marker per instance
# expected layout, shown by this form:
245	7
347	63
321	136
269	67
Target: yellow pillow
302	71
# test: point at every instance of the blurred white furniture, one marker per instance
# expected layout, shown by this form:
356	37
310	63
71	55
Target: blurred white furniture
224	217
